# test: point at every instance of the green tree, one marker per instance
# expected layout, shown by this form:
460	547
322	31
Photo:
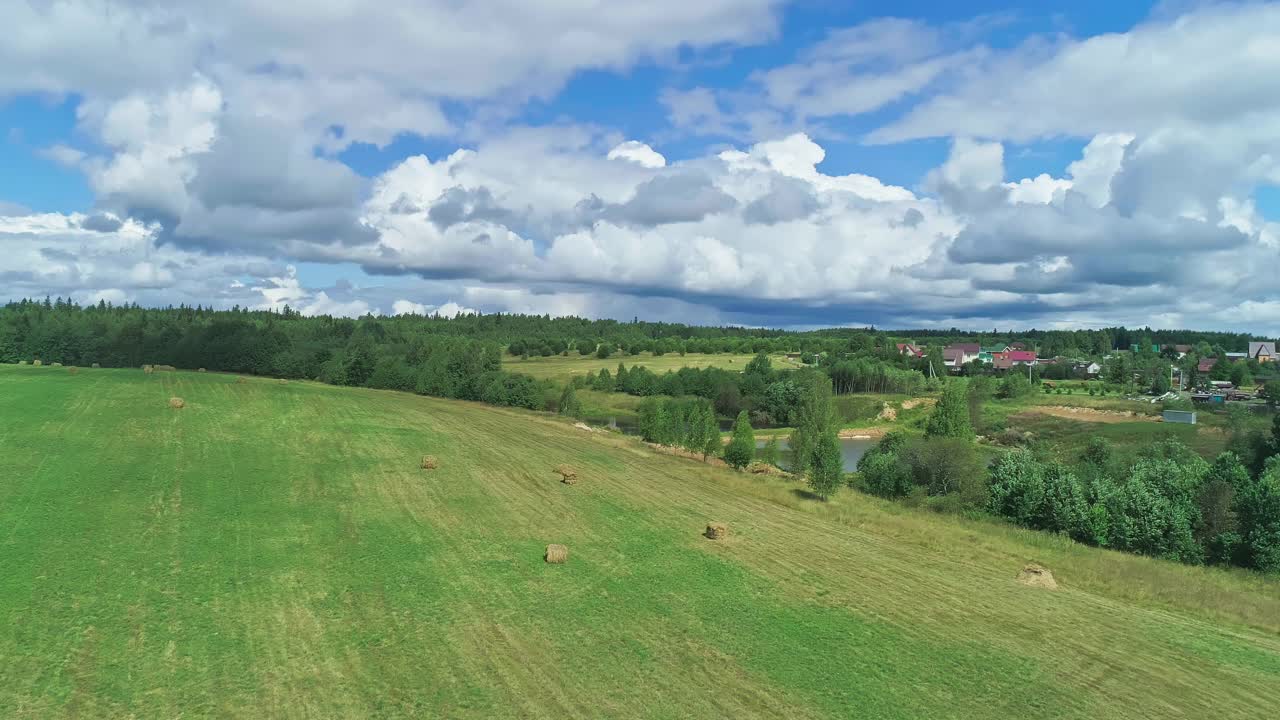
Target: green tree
742	445
604	351
814	416
826	466
950	417
884	474
569	404
1257	508
1160	381
770	454
760	365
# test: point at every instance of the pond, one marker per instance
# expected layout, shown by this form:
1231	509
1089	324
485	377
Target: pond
851	449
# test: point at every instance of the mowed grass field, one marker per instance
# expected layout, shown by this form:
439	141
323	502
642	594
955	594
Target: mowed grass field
562	368
274	550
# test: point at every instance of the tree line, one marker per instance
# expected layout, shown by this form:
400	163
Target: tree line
1168	502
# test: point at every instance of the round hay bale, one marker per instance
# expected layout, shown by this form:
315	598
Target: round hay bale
148	369
57	364
166	368
556	554
177	403
716	531
1037	576
568	475
22	362
201	370
37	362
95	366
73	370
430	462
241	381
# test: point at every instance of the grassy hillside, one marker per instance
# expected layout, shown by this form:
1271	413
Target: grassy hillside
274	551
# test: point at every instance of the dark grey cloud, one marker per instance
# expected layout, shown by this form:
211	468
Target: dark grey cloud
687	196
102	223
1024	232
788	199
459	205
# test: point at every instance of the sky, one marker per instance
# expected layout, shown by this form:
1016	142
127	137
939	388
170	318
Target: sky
756	162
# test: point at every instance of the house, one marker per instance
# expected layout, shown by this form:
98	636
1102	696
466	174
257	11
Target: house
966	352
987	354
1206	364
910	350
1237	356
1262	351
1022	357
1002	362
1092	369
952	358
1182	350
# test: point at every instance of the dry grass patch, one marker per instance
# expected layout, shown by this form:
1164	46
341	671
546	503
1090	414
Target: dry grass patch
430	462
568	475
177	403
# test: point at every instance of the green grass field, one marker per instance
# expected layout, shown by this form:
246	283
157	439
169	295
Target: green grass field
562	368
273	550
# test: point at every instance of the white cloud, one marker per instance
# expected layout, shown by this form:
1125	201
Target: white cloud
64	155
639	153
449	309
1214	66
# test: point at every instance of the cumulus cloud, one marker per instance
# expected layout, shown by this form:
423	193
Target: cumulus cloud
1213	66
639	153
449	309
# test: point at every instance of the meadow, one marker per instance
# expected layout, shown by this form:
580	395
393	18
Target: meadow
562	368
275	550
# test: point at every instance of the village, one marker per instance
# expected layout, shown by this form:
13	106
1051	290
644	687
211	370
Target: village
1207	378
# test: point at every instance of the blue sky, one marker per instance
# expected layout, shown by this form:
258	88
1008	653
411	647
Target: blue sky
752	161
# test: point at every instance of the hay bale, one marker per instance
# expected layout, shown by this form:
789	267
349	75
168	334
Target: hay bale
57	364
1037	576
568	475
556	554
201	370
73	370
37	362
177	403
430	462
716	531
760	468
241	381
95	366
148	369
282	381
22	362
165	368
